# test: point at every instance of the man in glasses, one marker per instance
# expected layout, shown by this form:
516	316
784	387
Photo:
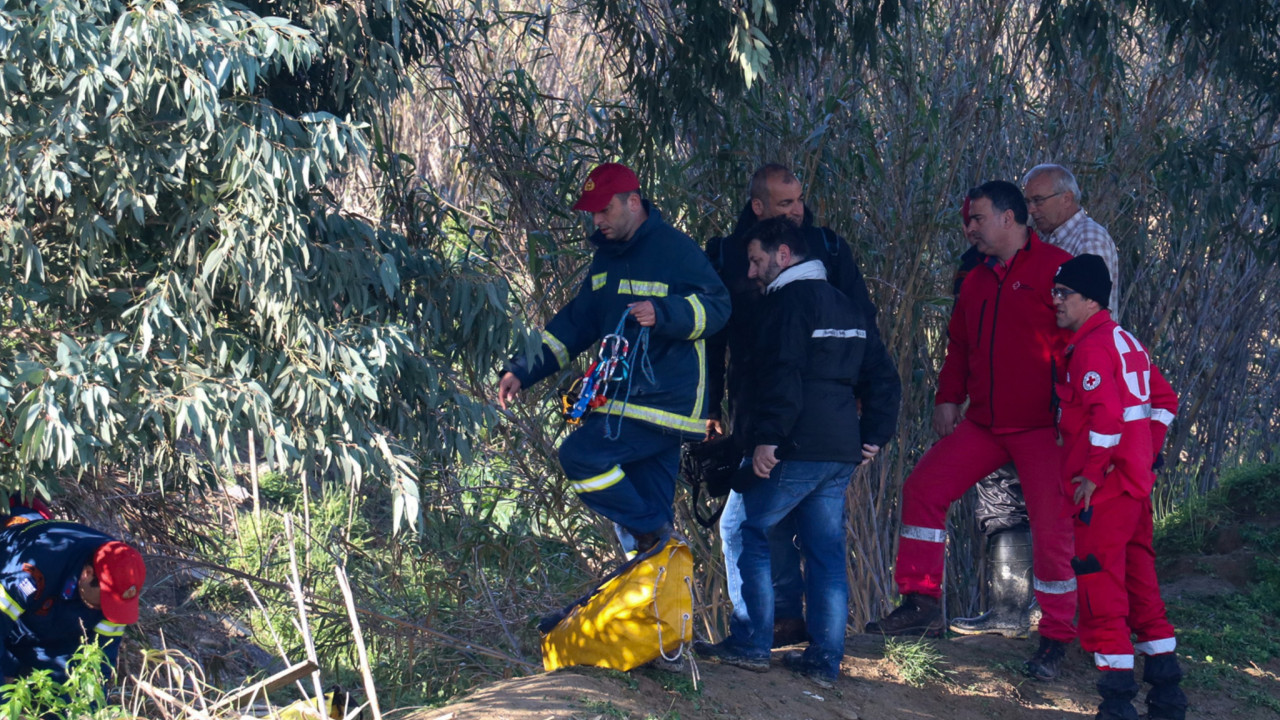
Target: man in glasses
1115	411
1053	200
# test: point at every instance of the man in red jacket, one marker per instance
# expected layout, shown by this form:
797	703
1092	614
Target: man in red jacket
1003	341
1115	411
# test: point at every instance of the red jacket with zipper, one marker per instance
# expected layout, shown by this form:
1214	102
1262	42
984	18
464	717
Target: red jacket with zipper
1004	341
1116	409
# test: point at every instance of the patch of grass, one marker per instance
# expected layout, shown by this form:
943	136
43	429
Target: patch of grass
1250	490
917	661
1258	698
1238	628
605	708
625	678
676	682
1256	487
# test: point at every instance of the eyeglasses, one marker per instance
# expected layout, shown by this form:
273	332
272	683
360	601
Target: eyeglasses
1040	200
1063	293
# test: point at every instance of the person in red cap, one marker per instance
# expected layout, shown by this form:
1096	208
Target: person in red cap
62	584
654	286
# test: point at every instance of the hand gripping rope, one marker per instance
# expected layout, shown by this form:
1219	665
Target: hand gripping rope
612	367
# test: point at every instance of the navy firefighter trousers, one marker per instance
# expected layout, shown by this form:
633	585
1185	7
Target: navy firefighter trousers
630	480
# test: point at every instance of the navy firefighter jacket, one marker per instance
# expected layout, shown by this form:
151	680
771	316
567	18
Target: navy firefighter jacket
40	606
663	265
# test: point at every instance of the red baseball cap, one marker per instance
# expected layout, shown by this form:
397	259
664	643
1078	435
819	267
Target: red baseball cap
121	573
603	183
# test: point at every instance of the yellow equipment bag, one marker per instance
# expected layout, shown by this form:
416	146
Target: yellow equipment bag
644	610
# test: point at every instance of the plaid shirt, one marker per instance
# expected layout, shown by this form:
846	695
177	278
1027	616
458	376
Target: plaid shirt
1081	235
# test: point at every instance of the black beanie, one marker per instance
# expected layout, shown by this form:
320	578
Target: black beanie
1087	275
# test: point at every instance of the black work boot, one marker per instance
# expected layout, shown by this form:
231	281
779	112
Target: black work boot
1009	588
1118	689
917	615
646	542
1165	699
1046	663
789	631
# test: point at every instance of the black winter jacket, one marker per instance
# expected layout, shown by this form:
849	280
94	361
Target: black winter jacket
738	338
815	359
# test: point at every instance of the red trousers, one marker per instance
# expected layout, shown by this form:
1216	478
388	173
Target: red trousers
1119	596
953	465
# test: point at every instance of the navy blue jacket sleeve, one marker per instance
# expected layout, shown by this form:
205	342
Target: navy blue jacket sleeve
717	345
698	305
570	331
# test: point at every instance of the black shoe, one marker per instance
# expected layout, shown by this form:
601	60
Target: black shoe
919	615
1118	689
1046	663
789	631
796	662
646	542
1165	699
725	654
548	622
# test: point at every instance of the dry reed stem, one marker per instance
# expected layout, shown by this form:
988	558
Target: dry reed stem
370	689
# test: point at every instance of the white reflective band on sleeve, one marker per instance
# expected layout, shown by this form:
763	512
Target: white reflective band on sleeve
1161	415
922	533
1137	412
838	333
599	482
1104	441
1113	662
557	348
1054	587
108	628
8	605
1156	647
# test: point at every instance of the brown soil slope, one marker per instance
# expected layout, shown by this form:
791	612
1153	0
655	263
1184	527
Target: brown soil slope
980	680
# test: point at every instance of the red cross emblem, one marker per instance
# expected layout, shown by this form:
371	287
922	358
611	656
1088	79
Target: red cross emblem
1134	362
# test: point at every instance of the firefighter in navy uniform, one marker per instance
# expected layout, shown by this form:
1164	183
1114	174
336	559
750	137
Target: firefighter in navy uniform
62	584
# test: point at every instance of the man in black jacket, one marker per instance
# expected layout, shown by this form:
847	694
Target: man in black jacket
814	361
774	192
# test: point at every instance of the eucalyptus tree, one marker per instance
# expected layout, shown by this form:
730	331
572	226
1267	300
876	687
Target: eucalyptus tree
179	272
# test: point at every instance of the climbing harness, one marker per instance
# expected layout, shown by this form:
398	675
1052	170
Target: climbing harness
614	365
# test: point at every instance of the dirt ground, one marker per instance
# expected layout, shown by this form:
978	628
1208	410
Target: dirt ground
981	681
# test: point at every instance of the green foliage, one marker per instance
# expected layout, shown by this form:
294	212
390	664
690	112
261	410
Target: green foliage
1238	628
1248	491
918	661
180	271
81	696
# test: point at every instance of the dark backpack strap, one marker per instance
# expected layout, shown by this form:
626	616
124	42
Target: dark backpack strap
707	522
831	243
715	253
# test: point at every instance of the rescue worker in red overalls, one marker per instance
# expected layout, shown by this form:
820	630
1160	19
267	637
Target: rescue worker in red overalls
1115	409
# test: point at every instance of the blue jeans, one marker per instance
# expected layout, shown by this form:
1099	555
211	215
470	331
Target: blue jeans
788	583
815	492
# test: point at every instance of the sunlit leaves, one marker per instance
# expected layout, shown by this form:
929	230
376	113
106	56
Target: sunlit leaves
179	270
